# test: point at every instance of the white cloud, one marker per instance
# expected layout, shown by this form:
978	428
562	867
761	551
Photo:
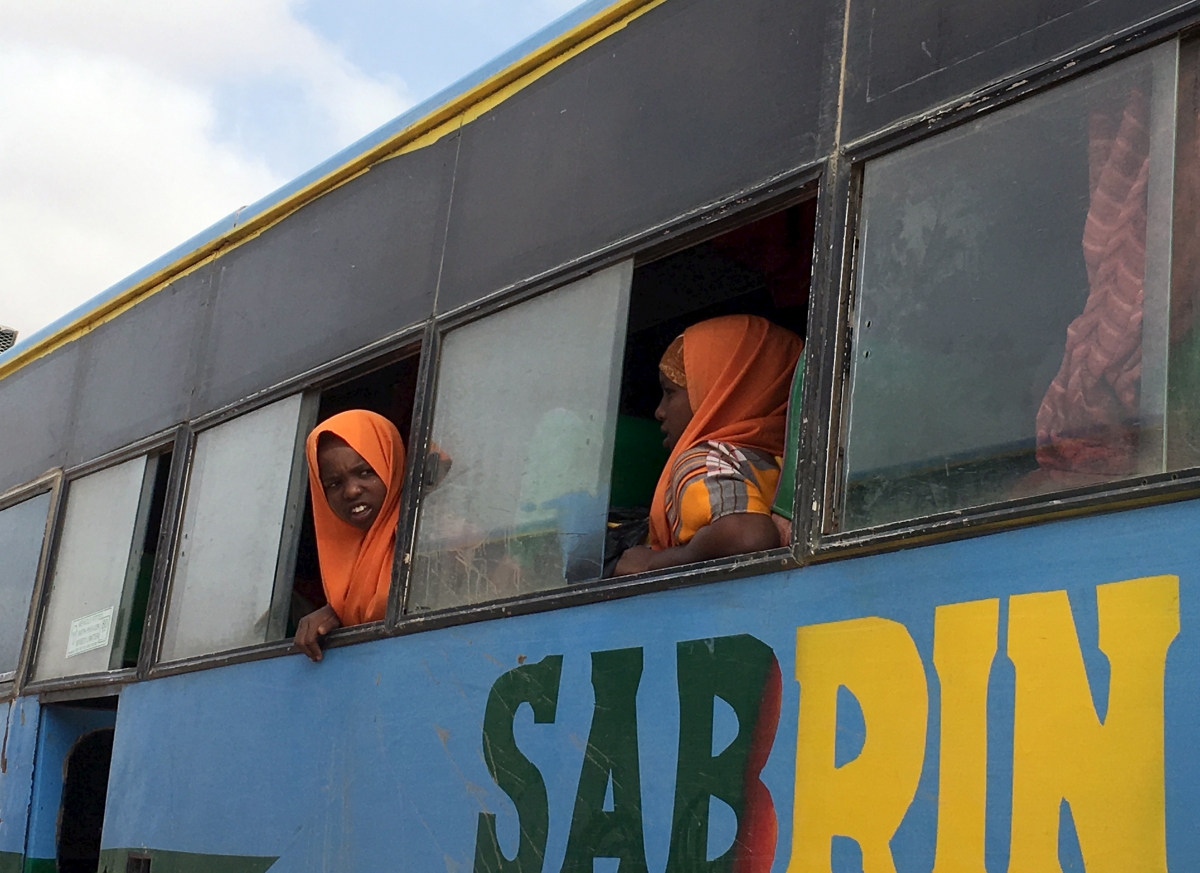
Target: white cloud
211	41
113	148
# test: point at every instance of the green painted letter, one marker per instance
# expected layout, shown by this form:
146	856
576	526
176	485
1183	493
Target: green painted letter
537	685
612	753
743	672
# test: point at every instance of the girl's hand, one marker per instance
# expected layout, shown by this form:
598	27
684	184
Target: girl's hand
314	626
635	559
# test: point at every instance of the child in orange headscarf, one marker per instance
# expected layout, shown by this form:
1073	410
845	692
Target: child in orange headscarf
355	472
725	388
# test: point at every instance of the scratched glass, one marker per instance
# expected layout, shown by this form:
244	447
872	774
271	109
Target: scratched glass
525	418
22	529
1012	307
96	566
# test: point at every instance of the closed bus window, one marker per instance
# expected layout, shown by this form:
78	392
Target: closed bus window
1011	323
523	429
22	528
233	570
101	571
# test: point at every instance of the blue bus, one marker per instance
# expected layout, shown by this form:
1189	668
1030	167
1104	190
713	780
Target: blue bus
977	649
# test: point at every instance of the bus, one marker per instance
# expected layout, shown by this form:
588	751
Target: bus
976	649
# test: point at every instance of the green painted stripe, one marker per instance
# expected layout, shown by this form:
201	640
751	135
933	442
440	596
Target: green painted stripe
11	862
39	865
162	861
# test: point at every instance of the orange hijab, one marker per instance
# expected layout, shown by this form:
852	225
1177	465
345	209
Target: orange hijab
738	370
356	566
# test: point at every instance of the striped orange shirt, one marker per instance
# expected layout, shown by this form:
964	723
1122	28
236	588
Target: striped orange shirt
715	479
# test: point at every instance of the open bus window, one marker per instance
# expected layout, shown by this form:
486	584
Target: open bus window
1013	316
233	568
103	565
760	269
546	411
247	569
22	530
526	413
389	391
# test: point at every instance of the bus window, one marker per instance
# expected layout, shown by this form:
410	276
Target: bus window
102	567
1012	313
1183	373
554	453
22	529
389	391
233	569
761	269
526	413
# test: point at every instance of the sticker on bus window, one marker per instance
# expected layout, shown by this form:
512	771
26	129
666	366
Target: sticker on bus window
89	632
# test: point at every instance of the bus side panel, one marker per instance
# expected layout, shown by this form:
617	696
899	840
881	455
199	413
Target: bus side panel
38	404
139	368
375	758
689	103
905	58
351	267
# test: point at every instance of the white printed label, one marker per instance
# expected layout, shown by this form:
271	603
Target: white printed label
89	632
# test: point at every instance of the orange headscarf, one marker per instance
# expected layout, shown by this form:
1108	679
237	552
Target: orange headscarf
738	370
356	566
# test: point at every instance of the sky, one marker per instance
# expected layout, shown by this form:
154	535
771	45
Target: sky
128	126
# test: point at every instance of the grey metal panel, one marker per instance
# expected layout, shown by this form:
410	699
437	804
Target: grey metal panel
140	368
351	267
905	57
692	102
36	414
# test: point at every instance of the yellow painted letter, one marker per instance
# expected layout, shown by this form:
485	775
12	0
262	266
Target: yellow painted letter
1112	772
866	798
965	637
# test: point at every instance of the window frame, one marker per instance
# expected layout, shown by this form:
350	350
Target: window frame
289	534
399	345
406	565
826	542
155	444
50	482
801	185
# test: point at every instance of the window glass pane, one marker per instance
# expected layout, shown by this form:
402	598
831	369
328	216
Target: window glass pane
224	590
22	529
94	560
526	412
1183	387
1011	322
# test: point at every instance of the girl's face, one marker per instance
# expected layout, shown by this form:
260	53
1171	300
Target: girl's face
354	491
674	410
